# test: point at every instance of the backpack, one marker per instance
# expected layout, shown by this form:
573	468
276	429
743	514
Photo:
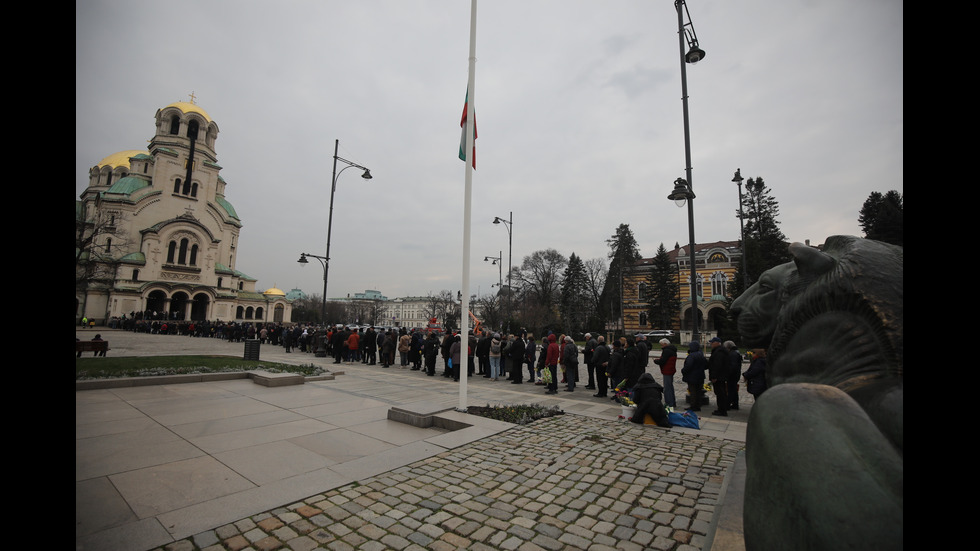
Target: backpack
495	347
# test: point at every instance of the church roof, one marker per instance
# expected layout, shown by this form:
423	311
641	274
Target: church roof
127	185
188	107
227	206
120	159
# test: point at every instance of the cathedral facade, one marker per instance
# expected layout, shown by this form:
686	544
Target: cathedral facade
156	237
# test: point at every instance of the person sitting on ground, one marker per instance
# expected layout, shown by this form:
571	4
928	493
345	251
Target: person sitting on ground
648	396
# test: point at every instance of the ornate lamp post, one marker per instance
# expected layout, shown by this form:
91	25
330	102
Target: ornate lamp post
509	224
684	189
741	222
325	260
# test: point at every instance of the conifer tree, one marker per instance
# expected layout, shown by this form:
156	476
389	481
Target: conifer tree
662	291
765	244
882	217
574	301
623	253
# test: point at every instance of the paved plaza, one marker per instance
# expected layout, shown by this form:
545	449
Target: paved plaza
234	465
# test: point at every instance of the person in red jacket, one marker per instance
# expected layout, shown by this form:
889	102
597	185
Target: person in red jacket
353	342
551	363
668	367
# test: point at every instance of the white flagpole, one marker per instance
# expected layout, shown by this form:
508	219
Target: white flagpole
468	196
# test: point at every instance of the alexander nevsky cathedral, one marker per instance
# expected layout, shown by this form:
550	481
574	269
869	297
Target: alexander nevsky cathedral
156	237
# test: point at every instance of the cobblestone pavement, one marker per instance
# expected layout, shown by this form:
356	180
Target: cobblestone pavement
567	482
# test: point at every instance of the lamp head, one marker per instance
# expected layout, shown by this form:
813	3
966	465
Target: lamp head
302	260
738	176
367	174
496	219
682	192
695	54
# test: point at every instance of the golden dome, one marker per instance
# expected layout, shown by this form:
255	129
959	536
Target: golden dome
272	291
188	107
120	159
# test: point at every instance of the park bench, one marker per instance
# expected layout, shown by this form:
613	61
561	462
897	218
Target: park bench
91	346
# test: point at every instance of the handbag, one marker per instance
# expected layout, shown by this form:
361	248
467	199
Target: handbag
546	376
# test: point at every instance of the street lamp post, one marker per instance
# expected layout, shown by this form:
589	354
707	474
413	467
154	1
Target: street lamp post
741	222
325	260
509	224
684	189
498	260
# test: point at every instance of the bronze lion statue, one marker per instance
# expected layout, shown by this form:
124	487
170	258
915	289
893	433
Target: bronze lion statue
824	449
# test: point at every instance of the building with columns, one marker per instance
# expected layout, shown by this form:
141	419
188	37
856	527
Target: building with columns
156	236
715	266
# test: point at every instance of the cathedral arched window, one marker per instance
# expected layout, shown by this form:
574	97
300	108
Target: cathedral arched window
175	125
192	130
108	245
187	188
136	275
194	190
171	251
194	255
177	186
182	255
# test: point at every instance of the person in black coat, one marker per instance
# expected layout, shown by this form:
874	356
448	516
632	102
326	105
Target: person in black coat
600	360
693	374
734	374
718	365
755	375
648	397
517	351
431	351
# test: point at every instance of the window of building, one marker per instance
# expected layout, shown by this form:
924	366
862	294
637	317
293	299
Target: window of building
182	254
177	185
175	125
719	284
171	250
136	275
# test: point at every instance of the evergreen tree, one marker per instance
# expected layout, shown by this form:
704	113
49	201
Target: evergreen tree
574	301
765	244
624	252
882	217
662	291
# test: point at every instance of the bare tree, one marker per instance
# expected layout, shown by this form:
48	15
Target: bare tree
595	274
98	247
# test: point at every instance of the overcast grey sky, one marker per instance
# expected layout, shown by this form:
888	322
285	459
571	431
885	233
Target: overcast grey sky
578	108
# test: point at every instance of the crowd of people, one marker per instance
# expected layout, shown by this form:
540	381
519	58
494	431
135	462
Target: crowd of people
549	362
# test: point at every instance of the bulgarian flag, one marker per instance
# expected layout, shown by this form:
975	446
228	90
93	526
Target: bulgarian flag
462	124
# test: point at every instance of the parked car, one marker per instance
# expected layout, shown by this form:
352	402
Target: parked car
658	334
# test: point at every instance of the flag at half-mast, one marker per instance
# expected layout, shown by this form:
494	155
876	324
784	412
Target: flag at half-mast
462	124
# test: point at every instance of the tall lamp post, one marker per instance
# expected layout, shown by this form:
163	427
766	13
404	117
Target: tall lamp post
325	260
741	223
498	260
684	189
509	224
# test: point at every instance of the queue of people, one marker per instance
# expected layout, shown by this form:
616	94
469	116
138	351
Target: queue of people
551	361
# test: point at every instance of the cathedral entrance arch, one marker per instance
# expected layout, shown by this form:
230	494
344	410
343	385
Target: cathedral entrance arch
202	303
178	305
156	303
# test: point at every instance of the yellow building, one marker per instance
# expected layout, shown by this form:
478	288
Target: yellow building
155	236
715	266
